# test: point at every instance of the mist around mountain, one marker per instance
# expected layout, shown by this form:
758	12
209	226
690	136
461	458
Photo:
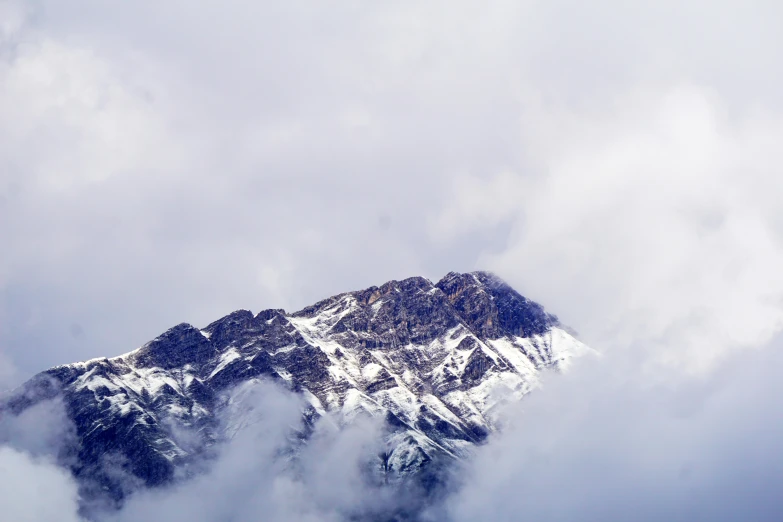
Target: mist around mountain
604	442
418	373
604	439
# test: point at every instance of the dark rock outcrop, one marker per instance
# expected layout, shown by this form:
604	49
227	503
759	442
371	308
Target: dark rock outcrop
427	357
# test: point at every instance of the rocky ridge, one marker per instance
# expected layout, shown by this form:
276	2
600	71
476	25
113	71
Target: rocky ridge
434	361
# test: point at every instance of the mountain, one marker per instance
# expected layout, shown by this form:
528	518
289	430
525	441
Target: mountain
434	361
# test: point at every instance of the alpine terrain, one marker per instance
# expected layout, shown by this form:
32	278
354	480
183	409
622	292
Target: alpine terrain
433	361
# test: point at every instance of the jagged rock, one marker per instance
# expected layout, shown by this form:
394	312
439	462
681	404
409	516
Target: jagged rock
433	360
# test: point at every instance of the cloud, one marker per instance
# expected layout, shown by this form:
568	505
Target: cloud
33	490
7	372
608	443
43	430
648	223
35	485
265	468
200	160
157	178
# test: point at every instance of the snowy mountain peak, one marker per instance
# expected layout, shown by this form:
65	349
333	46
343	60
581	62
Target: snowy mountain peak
176	347
434	361
492	308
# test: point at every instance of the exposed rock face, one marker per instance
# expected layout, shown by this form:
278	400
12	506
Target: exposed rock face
433	360
492	309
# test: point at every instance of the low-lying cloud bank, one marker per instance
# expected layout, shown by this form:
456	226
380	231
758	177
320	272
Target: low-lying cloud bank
605	442
35	489
34	486
264	470
256	476
608	443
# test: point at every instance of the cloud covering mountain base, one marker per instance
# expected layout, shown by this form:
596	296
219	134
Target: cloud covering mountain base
608	443
603	442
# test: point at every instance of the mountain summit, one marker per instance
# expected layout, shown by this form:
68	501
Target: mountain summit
434	361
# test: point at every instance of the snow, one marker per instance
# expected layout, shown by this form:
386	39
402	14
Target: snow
315	402
226	358
400	401
356	402
460	402
511	352
93	382
440	409
326	319
478	405
566	347
522	357
422	373
284	374
176	410
371	371
283	349
151	379
410	378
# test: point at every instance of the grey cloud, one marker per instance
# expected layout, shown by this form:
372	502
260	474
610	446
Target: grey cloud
23	482
34	484
43	430
169	163
651	225
255	474
262	469
8	373
607	442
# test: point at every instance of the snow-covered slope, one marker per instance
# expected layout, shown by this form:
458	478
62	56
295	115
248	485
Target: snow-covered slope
435	361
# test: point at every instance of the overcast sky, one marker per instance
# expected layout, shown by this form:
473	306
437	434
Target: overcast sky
169	162
619	162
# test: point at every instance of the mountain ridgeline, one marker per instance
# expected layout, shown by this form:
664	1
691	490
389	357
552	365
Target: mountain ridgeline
433	361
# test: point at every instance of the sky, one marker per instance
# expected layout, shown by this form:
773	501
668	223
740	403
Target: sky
161	164
618	162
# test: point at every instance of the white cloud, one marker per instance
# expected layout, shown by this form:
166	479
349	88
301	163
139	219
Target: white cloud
607	444
33	490
34	484
12	17
646	224
254	473
252	155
